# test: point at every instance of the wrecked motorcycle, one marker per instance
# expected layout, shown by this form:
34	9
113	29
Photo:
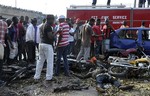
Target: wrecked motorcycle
121	69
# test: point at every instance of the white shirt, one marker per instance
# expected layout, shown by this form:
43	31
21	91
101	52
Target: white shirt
30	34
71	38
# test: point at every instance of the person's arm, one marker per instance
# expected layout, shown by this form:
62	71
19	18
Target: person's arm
112	28
9	40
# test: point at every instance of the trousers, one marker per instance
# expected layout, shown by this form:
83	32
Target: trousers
45	53
84	52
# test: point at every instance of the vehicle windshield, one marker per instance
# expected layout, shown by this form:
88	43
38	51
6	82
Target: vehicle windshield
133	34
128	34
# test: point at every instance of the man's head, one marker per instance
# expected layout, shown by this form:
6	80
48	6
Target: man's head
124	23
15	20
143	23
34	21
50	19
91	21
107	21
26	19
44	20
61	18
98	22
8	21
21	18
68	20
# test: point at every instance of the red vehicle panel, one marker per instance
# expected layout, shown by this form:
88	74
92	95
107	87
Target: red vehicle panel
116	16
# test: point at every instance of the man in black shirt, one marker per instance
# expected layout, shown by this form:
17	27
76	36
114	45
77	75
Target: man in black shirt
46	49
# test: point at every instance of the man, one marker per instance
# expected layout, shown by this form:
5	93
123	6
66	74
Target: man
62	46
31	40
86	34
46	49
123	34
97	37
21	39
71	39
107	29
14	34
144	33
3	32
77	36
26	22
124	25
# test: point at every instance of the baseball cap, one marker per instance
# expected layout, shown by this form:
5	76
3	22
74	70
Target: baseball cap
61	17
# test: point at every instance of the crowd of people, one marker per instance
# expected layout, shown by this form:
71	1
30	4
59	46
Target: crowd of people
21	38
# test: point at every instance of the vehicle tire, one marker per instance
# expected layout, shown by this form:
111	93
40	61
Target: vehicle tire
118	71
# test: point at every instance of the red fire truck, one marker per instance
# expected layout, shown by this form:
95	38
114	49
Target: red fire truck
116	14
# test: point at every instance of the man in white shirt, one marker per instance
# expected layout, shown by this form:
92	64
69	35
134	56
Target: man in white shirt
71	40
31	40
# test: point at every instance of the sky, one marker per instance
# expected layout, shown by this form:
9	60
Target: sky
58	7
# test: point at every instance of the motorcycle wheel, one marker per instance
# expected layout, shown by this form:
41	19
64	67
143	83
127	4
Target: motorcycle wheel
118	71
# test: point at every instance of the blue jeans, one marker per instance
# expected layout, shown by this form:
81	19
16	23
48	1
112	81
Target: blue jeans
62	51
70	47
94	2
97	48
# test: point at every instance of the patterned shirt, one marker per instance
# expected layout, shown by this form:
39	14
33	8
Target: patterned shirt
3	31
65	34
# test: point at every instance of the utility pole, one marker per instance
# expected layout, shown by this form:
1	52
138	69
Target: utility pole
134	3
16	3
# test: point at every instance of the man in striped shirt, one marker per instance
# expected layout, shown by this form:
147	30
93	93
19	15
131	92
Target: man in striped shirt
62	46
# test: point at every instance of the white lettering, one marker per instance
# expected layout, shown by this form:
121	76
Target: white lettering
117	22
104	17
120	17
94	17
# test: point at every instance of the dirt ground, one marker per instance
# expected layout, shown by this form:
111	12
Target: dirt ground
28	87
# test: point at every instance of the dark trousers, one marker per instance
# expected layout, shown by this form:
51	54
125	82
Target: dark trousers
62	51
21	50
97	48
70	48
30	51
108	2
92	50
1	67
94	2
76	47
6	53
104	79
